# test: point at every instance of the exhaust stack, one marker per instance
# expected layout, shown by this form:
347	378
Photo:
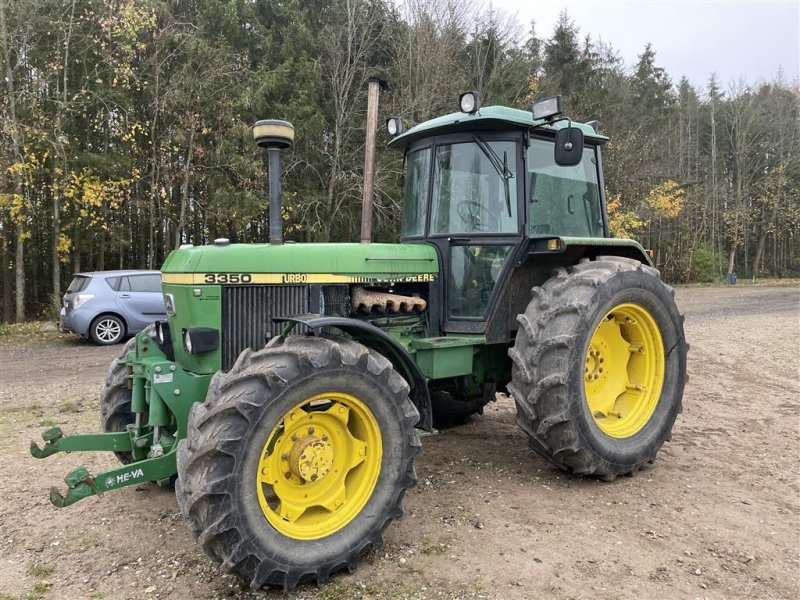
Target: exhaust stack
274	135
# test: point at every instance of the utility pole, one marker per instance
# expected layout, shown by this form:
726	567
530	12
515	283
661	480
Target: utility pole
375	85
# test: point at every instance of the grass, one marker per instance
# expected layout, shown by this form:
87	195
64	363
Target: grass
41	570
70	407
38	591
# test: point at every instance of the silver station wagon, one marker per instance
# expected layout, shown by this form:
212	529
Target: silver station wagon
108	306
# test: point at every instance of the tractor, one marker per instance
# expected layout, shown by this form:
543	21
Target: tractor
285	392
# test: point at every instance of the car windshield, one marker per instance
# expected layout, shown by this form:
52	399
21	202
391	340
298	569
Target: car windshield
474	189
78	284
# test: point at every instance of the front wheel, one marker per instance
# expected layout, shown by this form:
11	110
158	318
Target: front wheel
298	459
599	367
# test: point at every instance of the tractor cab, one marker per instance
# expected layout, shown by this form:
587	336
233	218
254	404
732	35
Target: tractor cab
484	182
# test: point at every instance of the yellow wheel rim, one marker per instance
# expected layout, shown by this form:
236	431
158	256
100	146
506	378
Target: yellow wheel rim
319	466
624	370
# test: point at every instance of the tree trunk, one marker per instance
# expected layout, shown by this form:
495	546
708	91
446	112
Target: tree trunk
5	245
187	170
101	252
731	258
762	238
19	274
16	145
76	254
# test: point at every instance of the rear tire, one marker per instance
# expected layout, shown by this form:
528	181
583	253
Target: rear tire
248	415
107	330
553	365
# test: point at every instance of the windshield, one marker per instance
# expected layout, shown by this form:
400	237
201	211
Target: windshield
471	193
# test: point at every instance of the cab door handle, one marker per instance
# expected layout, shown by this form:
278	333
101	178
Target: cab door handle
124	295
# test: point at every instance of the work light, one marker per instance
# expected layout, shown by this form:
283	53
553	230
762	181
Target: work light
469	102
547	108
394	125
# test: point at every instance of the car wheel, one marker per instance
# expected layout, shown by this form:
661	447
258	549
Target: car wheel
106	330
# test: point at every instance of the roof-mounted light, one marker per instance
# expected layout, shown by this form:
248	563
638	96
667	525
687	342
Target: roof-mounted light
547	108
469	102
395	126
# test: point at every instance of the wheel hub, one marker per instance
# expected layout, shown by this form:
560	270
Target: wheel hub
319	465
624	370
594	363
311	458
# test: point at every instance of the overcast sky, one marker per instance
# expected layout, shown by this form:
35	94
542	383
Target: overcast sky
752	39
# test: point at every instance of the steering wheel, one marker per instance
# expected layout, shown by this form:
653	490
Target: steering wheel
472	215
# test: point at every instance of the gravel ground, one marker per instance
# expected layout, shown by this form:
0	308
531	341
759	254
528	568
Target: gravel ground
717	516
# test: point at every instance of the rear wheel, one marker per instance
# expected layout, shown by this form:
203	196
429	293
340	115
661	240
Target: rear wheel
107	330
310	442
599	367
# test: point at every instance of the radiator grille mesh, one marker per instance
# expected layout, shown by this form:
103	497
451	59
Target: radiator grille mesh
247	313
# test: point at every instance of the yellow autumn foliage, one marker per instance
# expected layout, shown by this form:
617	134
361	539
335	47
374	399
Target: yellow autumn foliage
622	223
666	199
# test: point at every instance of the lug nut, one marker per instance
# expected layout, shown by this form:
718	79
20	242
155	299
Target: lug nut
294	437
313	477
310	430
288	475
324	438
284	457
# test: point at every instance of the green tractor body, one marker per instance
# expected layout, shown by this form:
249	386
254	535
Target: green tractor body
286	386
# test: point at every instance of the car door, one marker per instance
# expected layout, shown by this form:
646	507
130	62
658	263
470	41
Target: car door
140	300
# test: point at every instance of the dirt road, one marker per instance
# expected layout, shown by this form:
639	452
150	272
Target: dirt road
717	516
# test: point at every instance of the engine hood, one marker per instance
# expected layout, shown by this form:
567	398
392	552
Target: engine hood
300	263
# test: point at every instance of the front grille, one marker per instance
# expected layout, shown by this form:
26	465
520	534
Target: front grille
247	313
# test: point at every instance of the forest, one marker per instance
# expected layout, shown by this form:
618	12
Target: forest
125	131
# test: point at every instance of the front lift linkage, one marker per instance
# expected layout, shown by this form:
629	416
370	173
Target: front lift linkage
82	484
158	388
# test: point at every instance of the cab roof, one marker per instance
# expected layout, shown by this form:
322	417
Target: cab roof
487	119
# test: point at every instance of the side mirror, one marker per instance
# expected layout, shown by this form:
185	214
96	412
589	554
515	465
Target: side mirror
569	146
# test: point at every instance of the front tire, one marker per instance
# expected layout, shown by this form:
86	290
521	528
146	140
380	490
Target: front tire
298	460
599	367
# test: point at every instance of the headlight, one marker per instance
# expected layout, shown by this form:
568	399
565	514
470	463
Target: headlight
469	102
80	299
198	340
169	304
